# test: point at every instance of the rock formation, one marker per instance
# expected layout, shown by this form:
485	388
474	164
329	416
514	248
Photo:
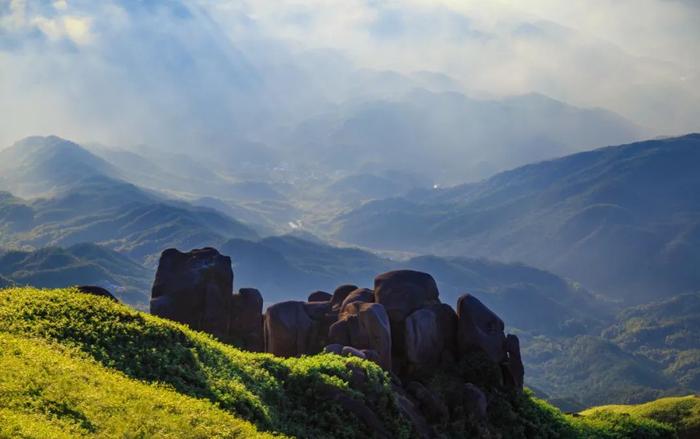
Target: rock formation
196	288
401	325
246	321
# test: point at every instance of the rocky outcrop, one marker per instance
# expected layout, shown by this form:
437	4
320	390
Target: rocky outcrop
480	329
364	326
194	288
246	321
287	329
403	291
319	296
340	294
401	325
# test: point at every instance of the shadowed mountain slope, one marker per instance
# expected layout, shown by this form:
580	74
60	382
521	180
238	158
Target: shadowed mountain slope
624	220
83	200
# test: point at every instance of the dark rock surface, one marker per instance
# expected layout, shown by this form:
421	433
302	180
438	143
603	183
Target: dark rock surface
319	296
287	329
246	321
340	294
479	328
194	288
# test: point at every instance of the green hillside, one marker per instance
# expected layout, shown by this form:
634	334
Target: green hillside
623	220
683	412
80	264
75	364
49	391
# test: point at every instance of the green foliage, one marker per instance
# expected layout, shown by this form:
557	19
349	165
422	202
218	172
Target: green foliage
683	413
79	365
81	264
49	391
278	395
665	332
610	425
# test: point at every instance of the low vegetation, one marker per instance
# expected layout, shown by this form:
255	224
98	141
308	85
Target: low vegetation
681	412
78	365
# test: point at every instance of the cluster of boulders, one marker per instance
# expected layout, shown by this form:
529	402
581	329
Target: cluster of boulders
400	324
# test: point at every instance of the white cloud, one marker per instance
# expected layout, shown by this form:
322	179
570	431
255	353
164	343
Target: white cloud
139	71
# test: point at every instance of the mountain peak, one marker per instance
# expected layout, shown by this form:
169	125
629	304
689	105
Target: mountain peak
40	165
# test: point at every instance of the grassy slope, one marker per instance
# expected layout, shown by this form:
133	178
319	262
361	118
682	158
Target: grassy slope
76	364
51	391
683	412
277	395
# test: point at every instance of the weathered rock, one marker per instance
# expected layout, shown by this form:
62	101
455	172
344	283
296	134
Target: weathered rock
475	401
430	404
334	348
96	291
339	333
364	326
479	328
194	288
287	329
351	351
359	295
319	296
340	294
447	326
246	325
515	370
403	291
323	317
423	341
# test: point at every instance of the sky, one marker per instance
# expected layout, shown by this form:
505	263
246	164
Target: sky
129	71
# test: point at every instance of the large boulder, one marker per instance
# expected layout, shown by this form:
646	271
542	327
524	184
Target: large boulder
246	325
423	340
447	327
403	291
364	326
319	296
514	369
340	294
194	288
322	317
479	328
288	329
359	295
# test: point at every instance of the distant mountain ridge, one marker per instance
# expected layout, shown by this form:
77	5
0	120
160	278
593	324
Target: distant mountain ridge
83	199
81	264
45	165
624	220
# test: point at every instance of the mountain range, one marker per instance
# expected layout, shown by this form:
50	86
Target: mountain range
623	220
580	342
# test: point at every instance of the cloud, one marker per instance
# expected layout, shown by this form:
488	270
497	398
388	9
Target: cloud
206	71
